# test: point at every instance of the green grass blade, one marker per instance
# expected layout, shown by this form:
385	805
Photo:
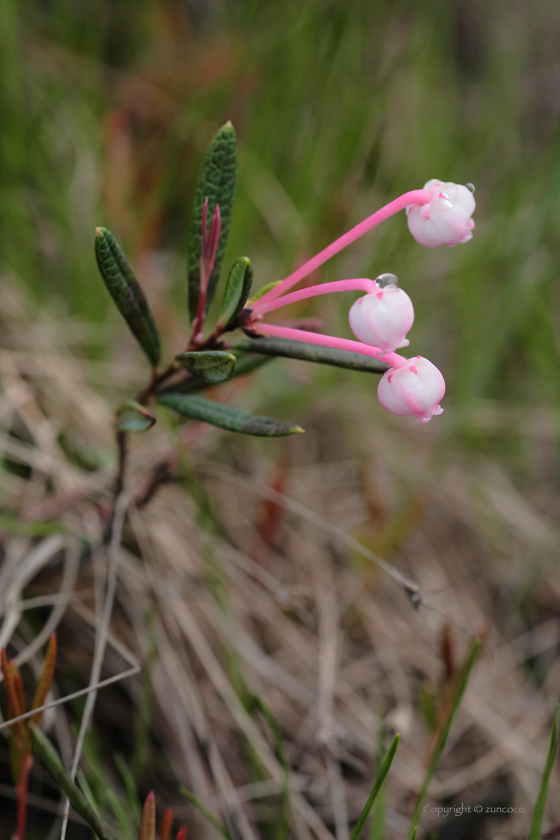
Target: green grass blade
217	182
377	830
226	417
283	825
442	739
379	779
311	353
50	759
536	824
205	812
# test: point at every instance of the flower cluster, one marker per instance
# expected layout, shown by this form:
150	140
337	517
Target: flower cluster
439	214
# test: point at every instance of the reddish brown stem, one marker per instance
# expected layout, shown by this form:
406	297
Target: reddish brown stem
22	789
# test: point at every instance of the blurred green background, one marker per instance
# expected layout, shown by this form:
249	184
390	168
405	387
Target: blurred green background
107	108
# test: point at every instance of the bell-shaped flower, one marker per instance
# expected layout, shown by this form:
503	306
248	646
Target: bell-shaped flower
446	219
415	388
383	318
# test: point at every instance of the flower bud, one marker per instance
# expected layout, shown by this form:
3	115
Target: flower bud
416	388
383	318
446	220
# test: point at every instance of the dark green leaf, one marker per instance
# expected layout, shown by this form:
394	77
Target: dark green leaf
238	287
311	353
133	417
226	417
217	183
379	779
50	760
125	290
540	804
262	291
211	365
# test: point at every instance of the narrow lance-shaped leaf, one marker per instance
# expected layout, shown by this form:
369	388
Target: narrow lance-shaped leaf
536	823
125	290
148	824
217	184
50	760
311	353
226	417
45	680
211	365
236	292
133	417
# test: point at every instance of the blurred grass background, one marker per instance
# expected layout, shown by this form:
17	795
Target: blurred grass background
106	110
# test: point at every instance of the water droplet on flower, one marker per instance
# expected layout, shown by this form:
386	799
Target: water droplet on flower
387	280
470	187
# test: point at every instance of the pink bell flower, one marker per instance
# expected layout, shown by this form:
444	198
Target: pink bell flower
383	318
446	219
414	388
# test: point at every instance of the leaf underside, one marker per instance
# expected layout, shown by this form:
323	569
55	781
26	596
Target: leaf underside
211	365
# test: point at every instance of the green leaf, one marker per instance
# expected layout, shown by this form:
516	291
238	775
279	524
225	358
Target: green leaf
536	824
262	291
125	290
379	779
283	823
50	759
188	794
442	739
217	183
226	417
311	353
211	365
246	363
238	287
133	417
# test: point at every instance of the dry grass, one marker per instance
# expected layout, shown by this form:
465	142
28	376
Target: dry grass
240	575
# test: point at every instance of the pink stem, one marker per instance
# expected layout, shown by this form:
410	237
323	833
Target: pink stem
359	284
392	359
413	197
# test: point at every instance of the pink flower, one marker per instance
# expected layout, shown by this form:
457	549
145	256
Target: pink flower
383	318
446	219
414	388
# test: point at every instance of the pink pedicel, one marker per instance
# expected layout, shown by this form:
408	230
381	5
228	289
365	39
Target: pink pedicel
383	318
416	389
358	284
333	341
412	198
446	219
